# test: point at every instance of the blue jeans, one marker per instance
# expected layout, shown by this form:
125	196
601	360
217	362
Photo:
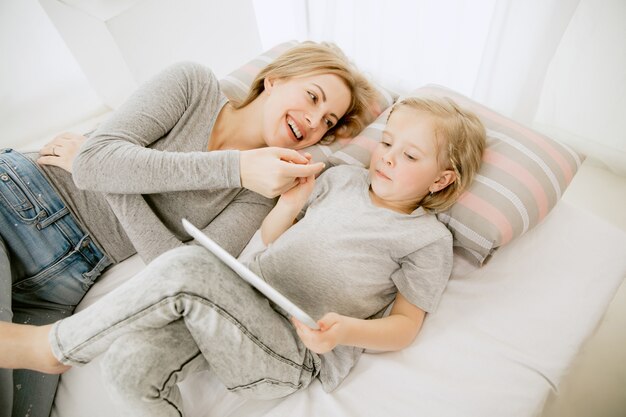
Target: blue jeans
47	264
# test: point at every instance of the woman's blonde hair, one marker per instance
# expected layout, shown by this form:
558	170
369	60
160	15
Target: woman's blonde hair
461	140
310	58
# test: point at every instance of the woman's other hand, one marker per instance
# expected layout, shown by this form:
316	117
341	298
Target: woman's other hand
272	171
61	150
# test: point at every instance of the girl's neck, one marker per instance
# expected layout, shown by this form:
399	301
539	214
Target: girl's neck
238	128
397	206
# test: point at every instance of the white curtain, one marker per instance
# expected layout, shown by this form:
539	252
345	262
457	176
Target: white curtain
522	58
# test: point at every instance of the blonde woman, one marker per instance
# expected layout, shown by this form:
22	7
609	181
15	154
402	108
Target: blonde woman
177	148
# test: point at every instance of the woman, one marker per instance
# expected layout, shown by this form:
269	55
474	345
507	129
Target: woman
177	148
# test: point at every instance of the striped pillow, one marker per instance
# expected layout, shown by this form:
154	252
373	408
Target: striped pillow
523	175
236	85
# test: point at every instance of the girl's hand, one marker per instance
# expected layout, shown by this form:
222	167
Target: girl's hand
297	196
61	150
327	337
272	171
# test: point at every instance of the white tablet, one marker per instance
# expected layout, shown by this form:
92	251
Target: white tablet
252	278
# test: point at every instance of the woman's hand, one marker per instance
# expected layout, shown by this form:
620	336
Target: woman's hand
329	335
61	150
272	171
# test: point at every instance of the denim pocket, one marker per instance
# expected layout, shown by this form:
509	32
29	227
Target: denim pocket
65	282
14	196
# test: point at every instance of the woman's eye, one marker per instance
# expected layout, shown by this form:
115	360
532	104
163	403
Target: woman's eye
313	96
329	123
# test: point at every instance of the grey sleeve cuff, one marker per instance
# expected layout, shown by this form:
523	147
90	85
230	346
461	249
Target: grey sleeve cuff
233	172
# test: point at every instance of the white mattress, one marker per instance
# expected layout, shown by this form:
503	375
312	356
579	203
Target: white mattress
503	336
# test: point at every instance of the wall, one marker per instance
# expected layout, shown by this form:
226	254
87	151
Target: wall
72	60
42	87
583	101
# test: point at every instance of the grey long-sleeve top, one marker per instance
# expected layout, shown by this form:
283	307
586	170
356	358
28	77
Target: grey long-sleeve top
149	160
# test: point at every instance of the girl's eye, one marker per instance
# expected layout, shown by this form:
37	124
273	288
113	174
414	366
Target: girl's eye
313	96
410	158
385	144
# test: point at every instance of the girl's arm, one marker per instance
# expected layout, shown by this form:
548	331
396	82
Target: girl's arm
393	332
286	210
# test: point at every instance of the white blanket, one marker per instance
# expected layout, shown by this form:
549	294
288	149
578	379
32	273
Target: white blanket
501	339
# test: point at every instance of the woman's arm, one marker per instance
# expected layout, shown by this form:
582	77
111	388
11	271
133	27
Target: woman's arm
231	229
393	332
148	234
117	157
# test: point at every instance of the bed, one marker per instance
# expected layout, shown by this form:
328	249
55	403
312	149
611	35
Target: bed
500	341
513	317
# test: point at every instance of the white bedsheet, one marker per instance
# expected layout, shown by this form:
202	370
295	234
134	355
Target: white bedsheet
501	339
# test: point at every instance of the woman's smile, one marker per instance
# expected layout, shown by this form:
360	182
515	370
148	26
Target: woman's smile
295	130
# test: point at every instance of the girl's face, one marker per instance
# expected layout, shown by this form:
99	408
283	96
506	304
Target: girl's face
300	110
404	166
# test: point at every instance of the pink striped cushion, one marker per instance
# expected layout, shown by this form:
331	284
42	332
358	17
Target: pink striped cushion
523	175
236	84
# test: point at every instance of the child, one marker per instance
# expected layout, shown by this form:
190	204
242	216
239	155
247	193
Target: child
367	239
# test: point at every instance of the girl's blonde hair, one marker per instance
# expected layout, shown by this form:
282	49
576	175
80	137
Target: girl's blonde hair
310	58
460	144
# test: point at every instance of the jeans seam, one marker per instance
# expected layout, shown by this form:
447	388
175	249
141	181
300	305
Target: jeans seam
270	381
172	298
180	413
180	368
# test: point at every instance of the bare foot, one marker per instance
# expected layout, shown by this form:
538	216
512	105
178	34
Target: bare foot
26	347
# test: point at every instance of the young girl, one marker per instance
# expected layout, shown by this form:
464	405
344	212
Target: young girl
365	240
177	148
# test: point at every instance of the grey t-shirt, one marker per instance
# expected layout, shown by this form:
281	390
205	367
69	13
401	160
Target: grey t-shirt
147	166
348	256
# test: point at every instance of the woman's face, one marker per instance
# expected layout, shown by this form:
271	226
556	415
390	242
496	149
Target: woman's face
300	110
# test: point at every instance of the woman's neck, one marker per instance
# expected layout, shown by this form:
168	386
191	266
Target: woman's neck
238	128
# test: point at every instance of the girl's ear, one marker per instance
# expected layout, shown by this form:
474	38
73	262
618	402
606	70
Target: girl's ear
445	178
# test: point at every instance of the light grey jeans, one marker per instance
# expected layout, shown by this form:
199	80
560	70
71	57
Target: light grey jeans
185	312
